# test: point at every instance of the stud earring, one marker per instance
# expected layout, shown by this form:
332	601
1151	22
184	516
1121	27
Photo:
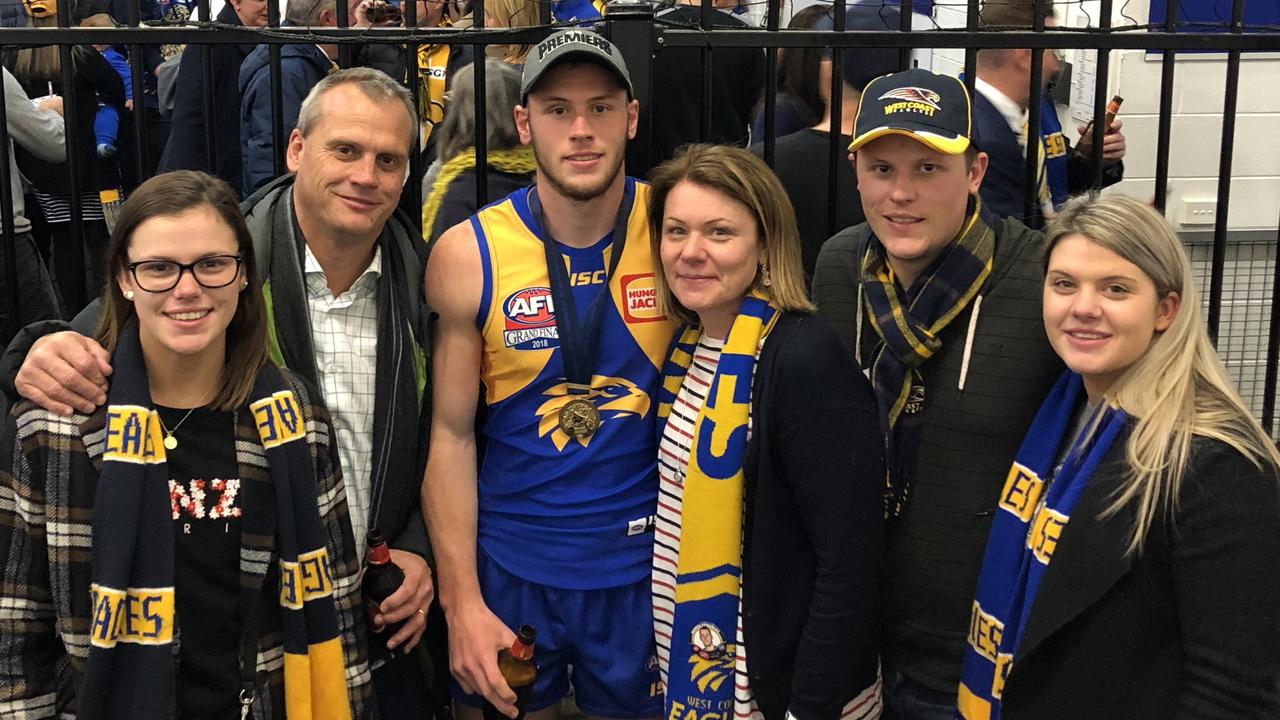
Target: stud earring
765	280
128	294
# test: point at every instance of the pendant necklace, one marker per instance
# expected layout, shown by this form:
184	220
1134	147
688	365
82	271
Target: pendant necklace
171	442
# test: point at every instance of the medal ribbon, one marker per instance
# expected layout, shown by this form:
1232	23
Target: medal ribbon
578	343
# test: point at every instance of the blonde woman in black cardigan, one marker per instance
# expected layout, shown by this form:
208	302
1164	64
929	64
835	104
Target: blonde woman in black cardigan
1155	594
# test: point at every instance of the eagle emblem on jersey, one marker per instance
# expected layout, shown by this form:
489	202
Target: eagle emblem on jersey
914	94
615	397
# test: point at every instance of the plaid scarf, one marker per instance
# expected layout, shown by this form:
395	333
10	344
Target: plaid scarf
129	672
909	323
1035	506
709	557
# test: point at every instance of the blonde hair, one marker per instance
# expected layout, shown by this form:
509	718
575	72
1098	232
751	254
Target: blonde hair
512	14
744	178
1178	388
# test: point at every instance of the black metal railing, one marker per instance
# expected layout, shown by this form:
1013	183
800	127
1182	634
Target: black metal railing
632	25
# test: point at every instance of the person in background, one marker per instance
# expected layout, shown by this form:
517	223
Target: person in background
1127	574
38	69
217	461
577	11
187	148
302	67
736	84
802	159
40	130
1002	93
106	122
771	462
451	194
510	14
801	95
939	302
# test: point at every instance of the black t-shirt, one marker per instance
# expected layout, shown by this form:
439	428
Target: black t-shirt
801	162
204	492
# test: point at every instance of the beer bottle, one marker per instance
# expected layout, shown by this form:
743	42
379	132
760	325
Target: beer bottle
517	668
381	578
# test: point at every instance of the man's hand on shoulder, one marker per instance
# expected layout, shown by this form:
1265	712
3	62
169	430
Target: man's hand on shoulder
410	602
65	372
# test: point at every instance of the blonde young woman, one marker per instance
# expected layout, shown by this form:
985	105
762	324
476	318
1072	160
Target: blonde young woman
768	534
1131	567
510	14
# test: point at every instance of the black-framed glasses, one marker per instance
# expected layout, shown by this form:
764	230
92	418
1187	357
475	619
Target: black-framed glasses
157	276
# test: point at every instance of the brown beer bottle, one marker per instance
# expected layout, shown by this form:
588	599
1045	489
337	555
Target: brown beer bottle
517	668
381	578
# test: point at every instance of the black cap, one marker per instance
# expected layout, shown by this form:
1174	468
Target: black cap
580	45
933	109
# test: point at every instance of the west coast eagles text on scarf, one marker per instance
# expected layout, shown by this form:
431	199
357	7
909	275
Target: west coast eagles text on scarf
709	559
129	672
1030	519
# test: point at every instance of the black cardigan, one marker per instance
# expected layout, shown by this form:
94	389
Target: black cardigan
814	472
1188	629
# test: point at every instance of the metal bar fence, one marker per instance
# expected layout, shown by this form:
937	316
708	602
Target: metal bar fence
631	24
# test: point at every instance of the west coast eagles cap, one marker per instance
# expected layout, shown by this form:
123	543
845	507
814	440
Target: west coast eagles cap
933	109
580	45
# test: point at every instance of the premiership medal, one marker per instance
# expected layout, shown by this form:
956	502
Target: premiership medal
579	418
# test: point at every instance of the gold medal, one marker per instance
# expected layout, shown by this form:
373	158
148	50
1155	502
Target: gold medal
579	418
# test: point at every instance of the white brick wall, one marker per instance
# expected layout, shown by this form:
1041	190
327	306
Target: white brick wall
1199	82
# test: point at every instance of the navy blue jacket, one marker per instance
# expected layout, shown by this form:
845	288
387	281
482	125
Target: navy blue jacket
1002	187
186	149
301	68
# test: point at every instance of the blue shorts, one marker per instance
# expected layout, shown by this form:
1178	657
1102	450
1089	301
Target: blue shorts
605	635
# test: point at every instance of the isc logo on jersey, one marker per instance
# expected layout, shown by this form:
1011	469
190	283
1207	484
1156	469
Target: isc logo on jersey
640	296
530	320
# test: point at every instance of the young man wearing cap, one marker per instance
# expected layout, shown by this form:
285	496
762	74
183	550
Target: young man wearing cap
802	158
940	303
546	298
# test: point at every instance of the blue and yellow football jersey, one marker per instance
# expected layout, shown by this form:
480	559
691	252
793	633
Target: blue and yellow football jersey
555	510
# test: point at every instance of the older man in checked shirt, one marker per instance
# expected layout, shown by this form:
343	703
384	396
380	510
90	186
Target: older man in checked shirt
339	268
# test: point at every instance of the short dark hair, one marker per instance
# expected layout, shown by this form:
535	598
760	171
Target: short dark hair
175	193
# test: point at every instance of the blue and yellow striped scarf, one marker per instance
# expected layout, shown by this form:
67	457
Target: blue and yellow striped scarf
129	672
709	558
1034	508
909	321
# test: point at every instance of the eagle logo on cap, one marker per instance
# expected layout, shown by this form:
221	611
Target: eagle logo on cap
914	94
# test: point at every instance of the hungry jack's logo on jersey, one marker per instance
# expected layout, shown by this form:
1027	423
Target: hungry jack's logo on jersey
529	320
640	299
615	397
913	99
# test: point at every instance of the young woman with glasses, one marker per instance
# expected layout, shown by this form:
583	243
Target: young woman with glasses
170	546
